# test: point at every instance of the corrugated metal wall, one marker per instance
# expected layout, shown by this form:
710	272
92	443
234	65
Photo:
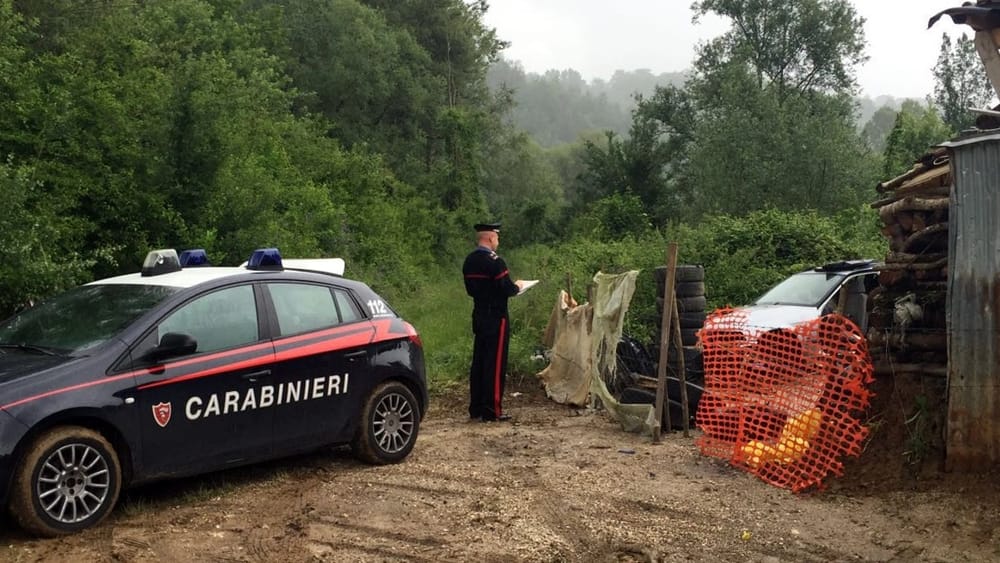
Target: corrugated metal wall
973	439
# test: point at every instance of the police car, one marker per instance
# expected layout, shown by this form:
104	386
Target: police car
185	368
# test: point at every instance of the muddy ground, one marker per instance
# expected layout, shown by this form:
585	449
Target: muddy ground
557	485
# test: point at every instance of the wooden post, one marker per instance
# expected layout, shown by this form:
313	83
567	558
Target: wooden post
986	46
569	284
682	372
665	326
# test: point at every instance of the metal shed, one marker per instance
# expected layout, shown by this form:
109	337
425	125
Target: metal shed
973	318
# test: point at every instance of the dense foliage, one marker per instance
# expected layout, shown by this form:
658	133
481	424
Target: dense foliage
379	130
220	124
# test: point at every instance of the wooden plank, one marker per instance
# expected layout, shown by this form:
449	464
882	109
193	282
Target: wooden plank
987	49
890	185
665	324
916	178
921	190
681	372
933	177
893	368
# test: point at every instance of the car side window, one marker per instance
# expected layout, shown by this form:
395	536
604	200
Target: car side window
304	307
346	306
221	319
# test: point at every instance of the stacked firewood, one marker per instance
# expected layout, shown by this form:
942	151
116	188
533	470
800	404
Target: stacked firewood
907	329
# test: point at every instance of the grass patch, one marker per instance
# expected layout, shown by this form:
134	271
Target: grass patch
442	314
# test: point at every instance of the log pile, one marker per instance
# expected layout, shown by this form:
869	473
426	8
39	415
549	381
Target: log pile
907	330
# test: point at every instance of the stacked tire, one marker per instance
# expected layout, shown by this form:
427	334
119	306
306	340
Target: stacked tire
634	361
689	287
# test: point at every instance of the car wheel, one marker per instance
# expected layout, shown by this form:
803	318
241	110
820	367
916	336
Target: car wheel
68	480
389	424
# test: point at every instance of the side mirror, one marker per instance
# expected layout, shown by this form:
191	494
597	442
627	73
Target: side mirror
172	344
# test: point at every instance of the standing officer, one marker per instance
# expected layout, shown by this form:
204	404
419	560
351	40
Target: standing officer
488	282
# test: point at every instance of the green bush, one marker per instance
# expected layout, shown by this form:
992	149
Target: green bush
742	257
745	256
36	242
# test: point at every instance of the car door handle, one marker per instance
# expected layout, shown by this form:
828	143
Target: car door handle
255	375
355	355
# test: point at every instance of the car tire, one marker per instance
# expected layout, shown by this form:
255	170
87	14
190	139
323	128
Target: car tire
692	357
689	337
53	483
390	422
690	289
694	320
683	273
685	304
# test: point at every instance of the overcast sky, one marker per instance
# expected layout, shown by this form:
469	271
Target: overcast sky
597	37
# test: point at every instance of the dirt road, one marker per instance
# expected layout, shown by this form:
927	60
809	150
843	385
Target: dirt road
559	485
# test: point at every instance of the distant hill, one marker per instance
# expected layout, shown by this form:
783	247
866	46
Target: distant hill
556	107
559	105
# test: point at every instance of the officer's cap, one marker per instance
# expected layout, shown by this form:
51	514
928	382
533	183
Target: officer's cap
495	227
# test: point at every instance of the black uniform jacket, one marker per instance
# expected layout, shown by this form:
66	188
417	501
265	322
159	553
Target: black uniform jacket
487	281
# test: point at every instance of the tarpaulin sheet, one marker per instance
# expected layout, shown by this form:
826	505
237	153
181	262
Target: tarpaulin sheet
583	351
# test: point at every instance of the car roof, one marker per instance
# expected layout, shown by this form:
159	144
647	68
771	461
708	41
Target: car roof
192	276
188	277
847	266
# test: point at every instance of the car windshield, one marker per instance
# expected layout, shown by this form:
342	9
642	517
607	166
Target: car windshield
807	289
80	318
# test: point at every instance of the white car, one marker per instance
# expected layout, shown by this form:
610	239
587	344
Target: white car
839	286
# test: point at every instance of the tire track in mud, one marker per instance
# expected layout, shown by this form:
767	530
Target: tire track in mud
560	485
416	510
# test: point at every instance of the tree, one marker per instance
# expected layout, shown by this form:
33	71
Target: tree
917	128
645	163
796	46
407	81
960	82
522	189
751	153
555	107
369	78
775	113
623	86
876	131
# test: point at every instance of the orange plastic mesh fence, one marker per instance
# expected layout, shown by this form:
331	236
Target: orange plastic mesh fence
784	404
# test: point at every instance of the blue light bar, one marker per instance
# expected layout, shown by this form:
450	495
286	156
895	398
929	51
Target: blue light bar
265	259
194	257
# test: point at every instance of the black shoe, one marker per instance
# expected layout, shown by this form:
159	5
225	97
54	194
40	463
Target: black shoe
501	418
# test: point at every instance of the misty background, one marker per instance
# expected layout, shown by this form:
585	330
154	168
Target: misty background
560	106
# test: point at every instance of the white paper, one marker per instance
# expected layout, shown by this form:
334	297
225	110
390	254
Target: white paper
526	285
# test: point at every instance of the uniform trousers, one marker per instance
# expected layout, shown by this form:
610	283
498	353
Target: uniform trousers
488	372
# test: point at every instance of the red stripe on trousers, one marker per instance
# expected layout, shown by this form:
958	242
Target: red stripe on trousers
497	374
